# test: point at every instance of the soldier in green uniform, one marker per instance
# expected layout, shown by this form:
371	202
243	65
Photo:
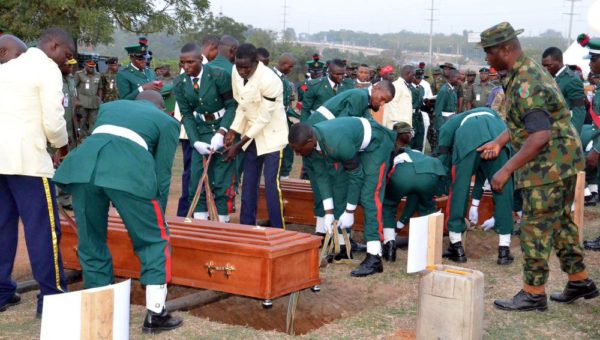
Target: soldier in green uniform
70	101
136	77
417	92
446	101
127	161
206	103
89	92
363	150
483	88
284	67
413	175
569	83
227	47
467	88
109	81
458	140
547	159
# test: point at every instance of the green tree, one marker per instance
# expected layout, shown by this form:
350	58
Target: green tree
94	21
215	25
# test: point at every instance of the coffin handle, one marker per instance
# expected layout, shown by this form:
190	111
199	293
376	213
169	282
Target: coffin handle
227	269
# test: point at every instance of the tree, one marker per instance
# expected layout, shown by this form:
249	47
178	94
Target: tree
94	21
218	26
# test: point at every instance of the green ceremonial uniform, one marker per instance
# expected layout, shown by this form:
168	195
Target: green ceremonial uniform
204	111
417	92
418	179
590	140
126	161
222	63
571	87
459	138
481	92
364	159
548	181
130	79
88	88
109	86
319	91
445	105
288	153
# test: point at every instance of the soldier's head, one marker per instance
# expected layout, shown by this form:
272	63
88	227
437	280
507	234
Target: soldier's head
67	68
453	76
302	139
210	47
57	44
113	64
336	70
363	74
11	47
593	44
501	46
471	76
419	75
190	59
90	66
405	134
154	97
246	60
552	60
137	55
228	46
263	55
286	63
484	74
383	92
407	72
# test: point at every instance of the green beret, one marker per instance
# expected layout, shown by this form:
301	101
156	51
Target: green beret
136	49
402	127
498	34
484	70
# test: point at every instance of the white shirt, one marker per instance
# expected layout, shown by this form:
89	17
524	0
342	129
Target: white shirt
400	108
427	87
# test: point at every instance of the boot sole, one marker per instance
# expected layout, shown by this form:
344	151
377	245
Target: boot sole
587	296
8	305
149	330
502	263
458	259
530	309
378	270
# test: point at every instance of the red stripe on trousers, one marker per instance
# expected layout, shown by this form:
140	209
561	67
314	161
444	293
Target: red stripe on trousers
378	204
449	201
164	236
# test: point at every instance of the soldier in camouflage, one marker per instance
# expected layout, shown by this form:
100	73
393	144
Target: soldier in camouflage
547	159
109	81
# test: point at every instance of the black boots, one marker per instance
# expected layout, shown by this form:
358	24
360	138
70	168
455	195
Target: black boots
370	265
158	322
592	244
575	290
523	301
455	253
389	251
504	256
14	300
357	246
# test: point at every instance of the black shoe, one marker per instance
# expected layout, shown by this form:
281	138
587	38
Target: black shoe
342	255
592	244
504	256
516	232
158	322
523	301
389	251
455	253
401	242
590	201
13	301
575	290
370	265
357	246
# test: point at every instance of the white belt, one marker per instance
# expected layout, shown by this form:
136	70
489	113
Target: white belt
447	114
367	133
217	114
589	146
121	132
326	113
475	114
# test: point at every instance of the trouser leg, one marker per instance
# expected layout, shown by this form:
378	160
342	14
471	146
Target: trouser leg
252	170
184	203
288	161
9	236
503	201
456	207
272	166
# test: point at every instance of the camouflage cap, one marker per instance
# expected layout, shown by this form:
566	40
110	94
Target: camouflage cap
436	70
448	65
402	127
470	73
498	34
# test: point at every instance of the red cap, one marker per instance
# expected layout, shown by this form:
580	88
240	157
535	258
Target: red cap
493	71
386	70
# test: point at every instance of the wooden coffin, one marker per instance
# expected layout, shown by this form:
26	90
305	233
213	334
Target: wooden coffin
258	262
298	204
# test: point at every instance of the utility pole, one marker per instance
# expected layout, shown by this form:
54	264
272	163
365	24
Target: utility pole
431	20
571	14
284	19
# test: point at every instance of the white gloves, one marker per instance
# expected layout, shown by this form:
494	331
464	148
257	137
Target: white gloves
217	141
489	223
473	211
399	225
202	148
328	222
346	220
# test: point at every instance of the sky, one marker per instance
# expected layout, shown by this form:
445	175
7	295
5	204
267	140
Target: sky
380	16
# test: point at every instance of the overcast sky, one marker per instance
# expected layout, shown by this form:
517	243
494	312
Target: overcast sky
381	16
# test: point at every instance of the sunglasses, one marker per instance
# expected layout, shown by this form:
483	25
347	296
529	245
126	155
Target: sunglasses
595	57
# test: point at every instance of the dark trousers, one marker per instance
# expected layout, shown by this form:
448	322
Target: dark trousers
253	167
184	201
34	200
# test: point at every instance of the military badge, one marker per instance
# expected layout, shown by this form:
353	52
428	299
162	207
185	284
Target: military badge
524	90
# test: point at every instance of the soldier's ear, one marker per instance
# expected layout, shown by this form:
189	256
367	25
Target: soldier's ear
2	51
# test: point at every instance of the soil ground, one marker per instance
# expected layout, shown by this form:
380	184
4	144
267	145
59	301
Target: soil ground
382	306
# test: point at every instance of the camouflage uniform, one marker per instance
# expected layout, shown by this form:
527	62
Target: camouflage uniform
548	181
109	86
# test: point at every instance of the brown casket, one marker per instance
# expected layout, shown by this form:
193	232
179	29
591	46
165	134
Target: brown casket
298	205
258	262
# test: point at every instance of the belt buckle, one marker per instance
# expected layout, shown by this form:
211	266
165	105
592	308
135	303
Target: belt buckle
209	117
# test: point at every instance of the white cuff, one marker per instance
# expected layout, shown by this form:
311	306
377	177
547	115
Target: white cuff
475	203
350	207
455	237
504	240
374	248
224	129
389	234
156	295
141	89
328	204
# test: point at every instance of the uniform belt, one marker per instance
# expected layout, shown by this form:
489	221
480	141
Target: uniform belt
447	114
209	117
475	114
326	113
577	102
121	132
367	133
